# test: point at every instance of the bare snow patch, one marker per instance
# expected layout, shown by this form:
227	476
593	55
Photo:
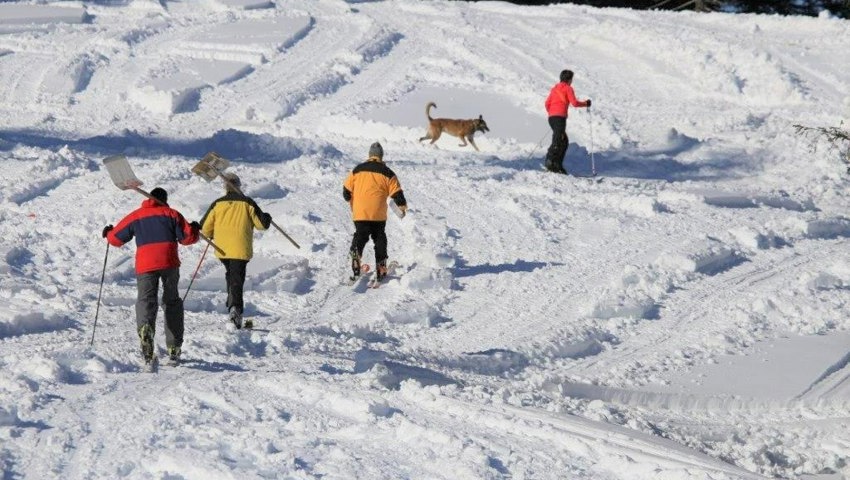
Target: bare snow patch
251	41
18	14
707	256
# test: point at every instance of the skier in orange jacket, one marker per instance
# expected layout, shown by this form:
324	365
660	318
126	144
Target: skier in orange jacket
366	189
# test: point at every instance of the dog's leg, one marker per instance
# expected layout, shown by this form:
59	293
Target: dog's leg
435	136
471	141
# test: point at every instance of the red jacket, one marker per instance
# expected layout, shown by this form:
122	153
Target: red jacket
157	229
560	98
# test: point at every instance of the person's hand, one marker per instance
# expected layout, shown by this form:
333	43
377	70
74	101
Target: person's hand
196	227
106	230
267	219
403	210
588	103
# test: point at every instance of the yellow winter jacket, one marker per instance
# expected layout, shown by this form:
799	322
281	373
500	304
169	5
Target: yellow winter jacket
367	188
230	222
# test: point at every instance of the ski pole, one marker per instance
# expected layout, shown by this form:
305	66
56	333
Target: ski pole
100	291
536	146
196	272
592	160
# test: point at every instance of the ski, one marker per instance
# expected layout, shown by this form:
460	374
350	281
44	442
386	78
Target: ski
391	268
592	178
353	280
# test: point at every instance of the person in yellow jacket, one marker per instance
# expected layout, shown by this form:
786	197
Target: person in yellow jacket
231	221
366	189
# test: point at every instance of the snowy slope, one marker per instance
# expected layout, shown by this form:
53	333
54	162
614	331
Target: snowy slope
686	317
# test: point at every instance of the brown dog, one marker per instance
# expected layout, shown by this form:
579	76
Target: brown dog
463	129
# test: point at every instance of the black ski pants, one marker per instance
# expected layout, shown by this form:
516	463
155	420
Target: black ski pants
234	275
147	305
560	142
362	231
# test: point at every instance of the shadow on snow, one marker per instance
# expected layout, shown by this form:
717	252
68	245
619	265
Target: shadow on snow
657	164
463	269
230	143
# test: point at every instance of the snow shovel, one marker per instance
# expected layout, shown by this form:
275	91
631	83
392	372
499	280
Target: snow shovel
212	166
123	177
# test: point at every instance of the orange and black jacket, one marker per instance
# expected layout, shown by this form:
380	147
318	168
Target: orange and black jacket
367	188
231	221
157	229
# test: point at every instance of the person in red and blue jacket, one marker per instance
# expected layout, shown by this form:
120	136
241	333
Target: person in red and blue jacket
557	104
157	229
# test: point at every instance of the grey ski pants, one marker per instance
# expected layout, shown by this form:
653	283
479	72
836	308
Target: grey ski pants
147	305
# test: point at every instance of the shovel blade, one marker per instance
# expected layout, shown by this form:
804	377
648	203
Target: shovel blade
211	166
121	173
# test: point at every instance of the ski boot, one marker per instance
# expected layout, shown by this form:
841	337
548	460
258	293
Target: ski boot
146	341
235	317
173	355
355	266
381	270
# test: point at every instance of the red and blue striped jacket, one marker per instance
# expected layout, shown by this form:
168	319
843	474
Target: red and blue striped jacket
157	229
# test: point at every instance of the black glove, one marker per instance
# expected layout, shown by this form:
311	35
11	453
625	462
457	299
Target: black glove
267	219
196	227
106	230
588	103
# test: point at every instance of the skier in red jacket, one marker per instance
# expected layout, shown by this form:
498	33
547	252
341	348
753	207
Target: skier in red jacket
557	103
157	229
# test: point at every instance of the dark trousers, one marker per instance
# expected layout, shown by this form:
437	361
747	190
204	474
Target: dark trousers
234	275
558	149
147	305
365	229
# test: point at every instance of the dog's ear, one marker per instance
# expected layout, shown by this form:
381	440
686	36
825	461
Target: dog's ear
480	117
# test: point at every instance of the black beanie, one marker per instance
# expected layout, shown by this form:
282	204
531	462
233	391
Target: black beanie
566	76
160	194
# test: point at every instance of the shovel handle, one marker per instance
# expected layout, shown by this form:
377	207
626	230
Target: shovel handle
239	190
285	235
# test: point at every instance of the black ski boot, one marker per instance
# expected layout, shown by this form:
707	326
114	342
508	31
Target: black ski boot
235	317
355	266
381	270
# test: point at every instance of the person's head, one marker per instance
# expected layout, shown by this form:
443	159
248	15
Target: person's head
376	151
160	194
567	76
233	184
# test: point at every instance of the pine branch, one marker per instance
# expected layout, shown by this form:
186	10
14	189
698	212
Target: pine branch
833	135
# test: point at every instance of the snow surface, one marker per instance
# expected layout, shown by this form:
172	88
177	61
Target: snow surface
686	317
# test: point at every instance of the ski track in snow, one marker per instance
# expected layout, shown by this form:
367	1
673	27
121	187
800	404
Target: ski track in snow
539	326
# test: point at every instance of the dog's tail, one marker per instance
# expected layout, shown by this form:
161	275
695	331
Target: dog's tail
428	109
